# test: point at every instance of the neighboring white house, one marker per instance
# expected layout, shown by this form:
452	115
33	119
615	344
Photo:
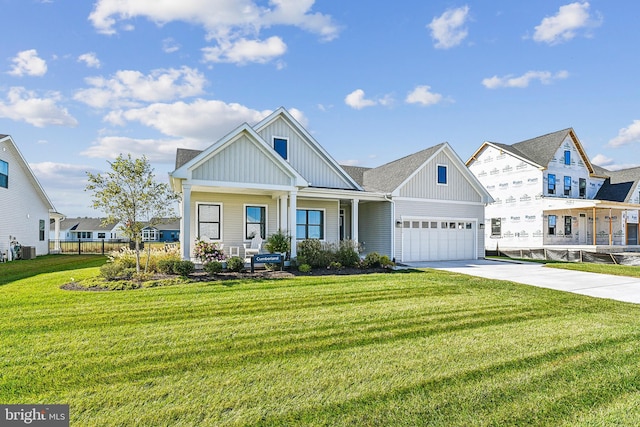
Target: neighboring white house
26	209
276	176
87	229
547	194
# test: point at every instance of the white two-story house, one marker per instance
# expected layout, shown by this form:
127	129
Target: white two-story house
547	194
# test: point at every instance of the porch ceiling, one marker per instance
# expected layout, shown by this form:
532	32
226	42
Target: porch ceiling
560	204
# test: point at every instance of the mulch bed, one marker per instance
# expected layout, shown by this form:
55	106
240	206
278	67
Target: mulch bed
201	276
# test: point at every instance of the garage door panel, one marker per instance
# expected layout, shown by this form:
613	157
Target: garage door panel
428	239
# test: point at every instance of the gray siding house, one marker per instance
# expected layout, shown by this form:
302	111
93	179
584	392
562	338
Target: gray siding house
275	176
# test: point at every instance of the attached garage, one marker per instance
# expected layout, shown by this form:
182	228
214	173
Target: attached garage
432	239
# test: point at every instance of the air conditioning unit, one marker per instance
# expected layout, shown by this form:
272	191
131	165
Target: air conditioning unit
28	252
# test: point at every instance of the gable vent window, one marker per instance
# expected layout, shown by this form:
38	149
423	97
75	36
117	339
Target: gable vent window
567	157
4	174
281	145
442	174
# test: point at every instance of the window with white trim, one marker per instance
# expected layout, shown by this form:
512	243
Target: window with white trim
4	174
209	221
281	145
567	186
255	220
567	226
552	224
442	174
309	224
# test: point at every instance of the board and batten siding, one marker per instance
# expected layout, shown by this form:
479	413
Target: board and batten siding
375	227
233	215
309	163
23	208
439	211
243	162
423	185
331	216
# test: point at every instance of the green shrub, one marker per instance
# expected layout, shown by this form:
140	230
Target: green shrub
116	271
184	267
375	260
314	253
278	243
372	260
167	266
347	254
385	262
304	268
235	264
335	265
212	267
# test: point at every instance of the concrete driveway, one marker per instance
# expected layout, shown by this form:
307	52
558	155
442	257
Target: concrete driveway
596	285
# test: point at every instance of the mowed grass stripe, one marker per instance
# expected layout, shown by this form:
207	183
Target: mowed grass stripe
419	348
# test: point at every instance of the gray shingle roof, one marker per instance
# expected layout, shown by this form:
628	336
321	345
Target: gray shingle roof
356	172
84	224
541	149
388	177
620	185
184	155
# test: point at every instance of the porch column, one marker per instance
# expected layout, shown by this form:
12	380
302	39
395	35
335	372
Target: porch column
56	232
293	207
610	228
594	226
354	219
283	213
185	223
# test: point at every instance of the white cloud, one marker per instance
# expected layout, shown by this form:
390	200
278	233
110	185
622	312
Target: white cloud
564	25
23	105
545	77
628	135
422	95
61	175
129	87
357	100
230	23
602	160
448	29
202	120
28	63
243	51
169	45
155	150
90	59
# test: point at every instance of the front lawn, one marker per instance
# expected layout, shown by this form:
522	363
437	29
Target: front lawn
615	269
410	348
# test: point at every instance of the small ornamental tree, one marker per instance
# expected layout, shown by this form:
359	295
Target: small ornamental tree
129	195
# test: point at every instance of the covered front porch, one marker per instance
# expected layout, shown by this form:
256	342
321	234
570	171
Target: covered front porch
232	216
592	225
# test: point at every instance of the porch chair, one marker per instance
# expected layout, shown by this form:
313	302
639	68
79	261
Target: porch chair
253	248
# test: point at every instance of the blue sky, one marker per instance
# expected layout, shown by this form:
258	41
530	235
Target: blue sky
81	82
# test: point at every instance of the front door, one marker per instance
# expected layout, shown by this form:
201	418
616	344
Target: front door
582	227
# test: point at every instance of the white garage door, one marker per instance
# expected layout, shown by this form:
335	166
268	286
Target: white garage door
438	240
